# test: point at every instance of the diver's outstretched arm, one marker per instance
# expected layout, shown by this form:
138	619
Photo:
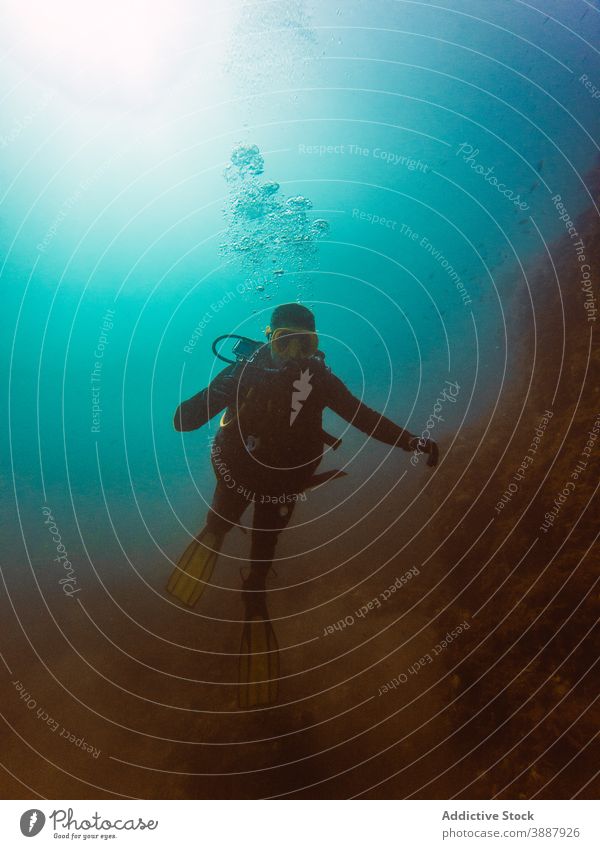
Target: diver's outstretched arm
352	409
200	409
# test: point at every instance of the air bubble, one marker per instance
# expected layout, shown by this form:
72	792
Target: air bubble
263	227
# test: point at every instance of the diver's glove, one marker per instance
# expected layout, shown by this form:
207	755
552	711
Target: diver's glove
425	446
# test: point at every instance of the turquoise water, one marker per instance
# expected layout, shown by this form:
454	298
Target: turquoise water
123	226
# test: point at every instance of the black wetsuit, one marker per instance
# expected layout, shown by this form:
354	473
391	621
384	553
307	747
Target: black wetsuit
272	439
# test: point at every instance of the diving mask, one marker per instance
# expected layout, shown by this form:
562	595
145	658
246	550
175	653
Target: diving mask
293	343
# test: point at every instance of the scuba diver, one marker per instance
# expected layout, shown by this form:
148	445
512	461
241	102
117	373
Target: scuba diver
266	452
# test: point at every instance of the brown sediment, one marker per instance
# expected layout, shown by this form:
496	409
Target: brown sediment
527	691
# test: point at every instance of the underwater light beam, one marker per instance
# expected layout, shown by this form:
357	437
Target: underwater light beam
129	48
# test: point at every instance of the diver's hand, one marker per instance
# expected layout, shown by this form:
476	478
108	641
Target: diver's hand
425	446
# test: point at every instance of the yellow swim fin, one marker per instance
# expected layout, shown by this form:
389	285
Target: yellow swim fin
259	661
194	568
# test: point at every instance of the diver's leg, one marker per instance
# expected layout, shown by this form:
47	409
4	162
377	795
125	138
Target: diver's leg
225	510
269	520
193	571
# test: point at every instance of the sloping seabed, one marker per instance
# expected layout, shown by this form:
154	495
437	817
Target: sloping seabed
526	716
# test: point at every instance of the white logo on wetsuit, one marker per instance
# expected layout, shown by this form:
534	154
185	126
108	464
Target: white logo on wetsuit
302	389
